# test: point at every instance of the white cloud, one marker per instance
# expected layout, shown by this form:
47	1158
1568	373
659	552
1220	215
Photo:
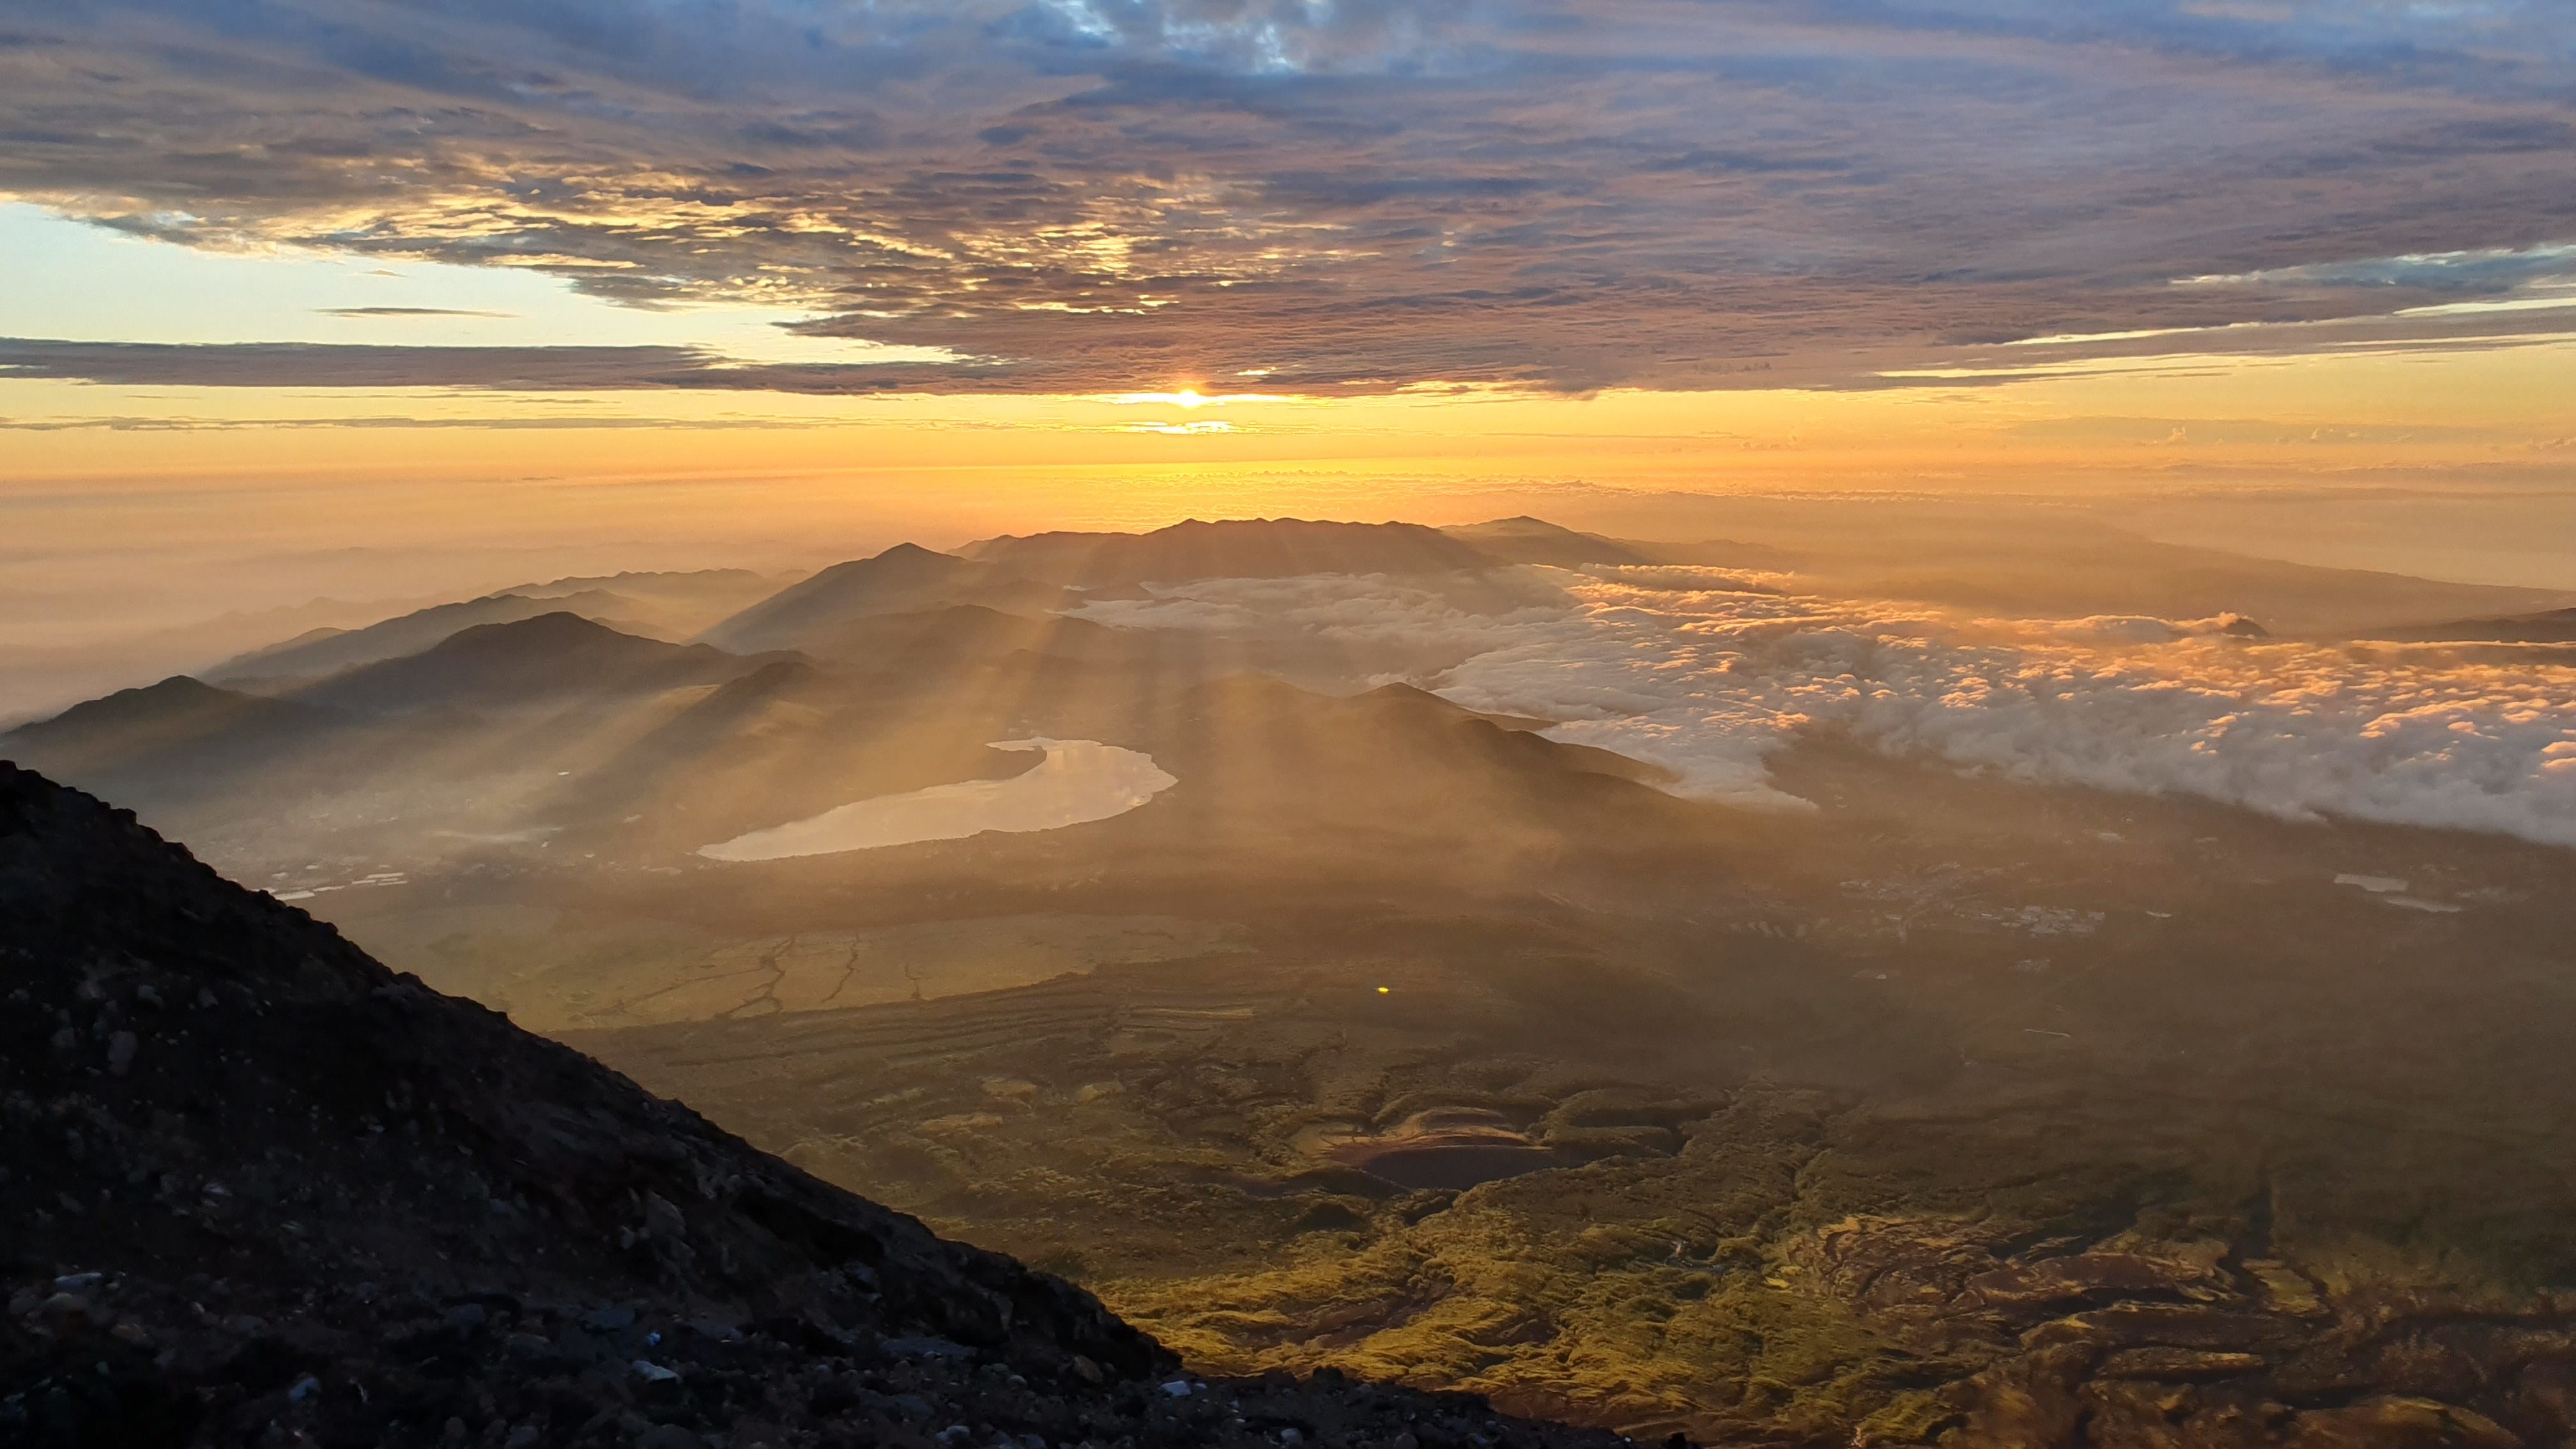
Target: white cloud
1709	681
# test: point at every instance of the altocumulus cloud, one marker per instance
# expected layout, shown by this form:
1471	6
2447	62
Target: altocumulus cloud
1709	676
1344	195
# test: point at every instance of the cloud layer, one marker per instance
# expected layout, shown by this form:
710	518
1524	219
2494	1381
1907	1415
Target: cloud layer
1708	676
1338	195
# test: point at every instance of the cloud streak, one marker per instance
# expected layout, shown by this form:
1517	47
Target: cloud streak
542	369
1101	195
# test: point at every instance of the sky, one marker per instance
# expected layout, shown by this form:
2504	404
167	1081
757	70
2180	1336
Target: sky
771	280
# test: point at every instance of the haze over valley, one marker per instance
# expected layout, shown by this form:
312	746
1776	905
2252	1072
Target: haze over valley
1647	984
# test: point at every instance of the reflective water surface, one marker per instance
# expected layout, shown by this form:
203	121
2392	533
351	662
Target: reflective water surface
1078	781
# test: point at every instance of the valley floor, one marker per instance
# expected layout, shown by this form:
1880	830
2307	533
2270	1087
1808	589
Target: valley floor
1959	1108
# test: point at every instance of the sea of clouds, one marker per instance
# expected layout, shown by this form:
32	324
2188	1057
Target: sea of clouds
1707	673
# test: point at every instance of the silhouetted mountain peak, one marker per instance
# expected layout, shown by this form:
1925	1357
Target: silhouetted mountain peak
541	657
180	694
556	631
1231	548
180	709
905	563
1523	539
325	652
819	613
913	555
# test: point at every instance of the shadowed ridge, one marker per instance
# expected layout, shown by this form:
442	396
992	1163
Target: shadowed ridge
179	728
1584	759
551	632
259	1185
180	705
1400	691
2553	626
549	655
1528	540
816	613
321	652
954	636
302	1119
658	605
1242	548
1400	756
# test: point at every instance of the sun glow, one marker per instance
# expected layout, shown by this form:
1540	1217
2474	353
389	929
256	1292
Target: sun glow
1190	397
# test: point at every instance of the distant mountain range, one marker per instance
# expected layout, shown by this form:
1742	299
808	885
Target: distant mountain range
1259	548
825	613
872	677
2556	626
547	656
547	709
655	605
1949	557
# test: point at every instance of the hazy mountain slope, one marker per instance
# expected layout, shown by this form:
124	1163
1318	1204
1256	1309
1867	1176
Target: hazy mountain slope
36	680
556	723
1259	548
664	605
331	651
2112	574
260	1184
550	656
559	733
480	735
181	738
826	614
1717	553
1266	767
2556	626
178	711
918	648
1262	761
2015	558
1536	541
684	601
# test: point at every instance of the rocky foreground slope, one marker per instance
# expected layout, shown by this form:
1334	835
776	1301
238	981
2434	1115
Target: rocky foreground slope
256	1189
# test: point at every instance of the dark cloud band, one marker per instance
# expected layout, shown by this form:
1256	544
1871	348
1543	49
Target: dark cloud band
1099	195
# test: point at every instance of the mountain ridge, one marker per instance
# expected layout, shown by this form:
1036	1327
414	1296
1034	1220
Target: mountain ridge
1229	548
543	656
819	613
257	1179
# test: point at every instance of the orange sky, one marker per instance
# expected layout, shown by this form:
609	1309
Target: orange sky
678	462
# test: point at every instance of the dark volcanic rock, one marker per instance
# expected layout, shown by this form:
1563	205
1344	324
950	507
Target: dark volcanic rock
257	1189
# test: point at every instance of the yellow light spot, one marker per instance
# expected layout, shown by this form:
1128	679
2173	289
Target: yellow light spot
1383	990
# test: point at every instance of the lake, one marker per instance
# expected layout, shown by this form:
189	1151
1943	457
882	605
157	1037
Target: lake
1078	781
